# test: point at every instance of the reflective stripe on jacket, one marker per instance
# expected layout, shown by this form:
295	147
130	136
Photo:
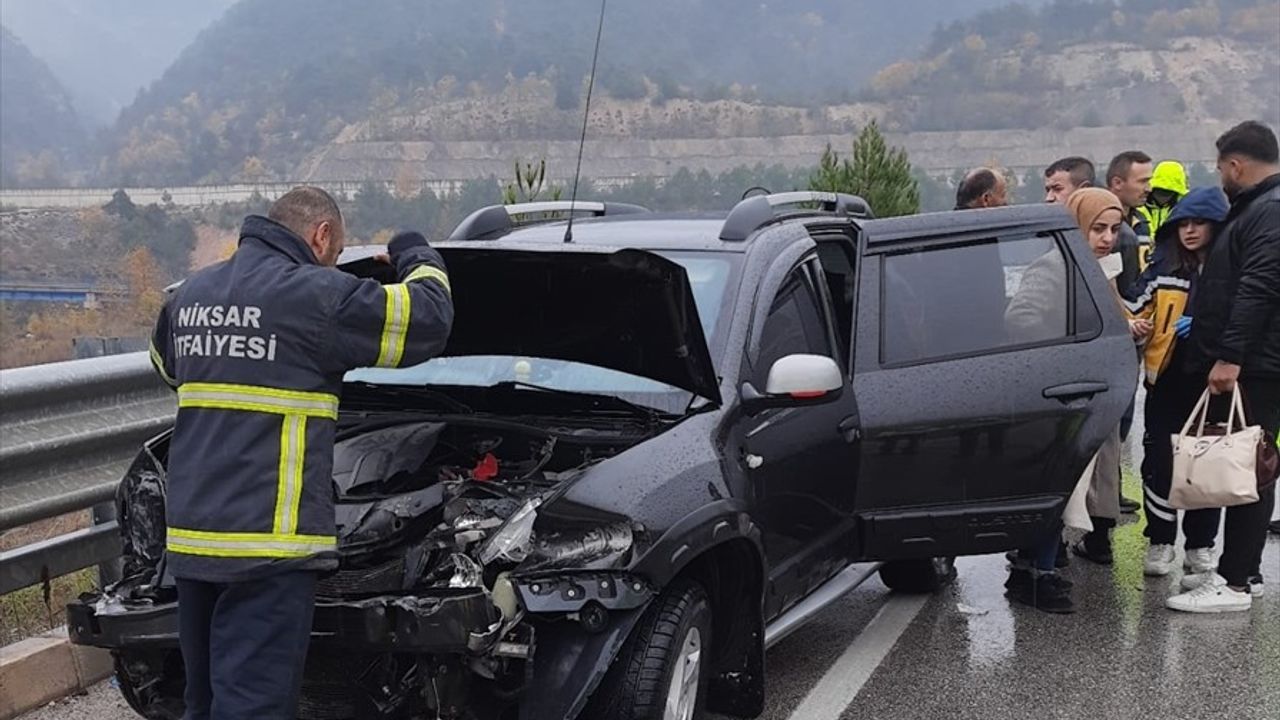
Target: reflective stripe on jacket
257	347
1162	300
1155	215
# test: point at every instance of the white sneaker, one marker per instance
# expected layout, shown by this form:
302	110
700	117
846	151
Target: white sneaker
1159	560
1256	588
1191	582
1200	561
1213	596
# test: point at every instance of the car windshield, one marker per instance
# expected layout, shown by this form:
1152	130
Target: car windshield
710	276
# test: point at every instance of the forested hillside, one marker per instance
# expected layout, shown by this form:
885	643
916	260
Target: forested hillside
267	90
104	51
39	132
1092	63
274	78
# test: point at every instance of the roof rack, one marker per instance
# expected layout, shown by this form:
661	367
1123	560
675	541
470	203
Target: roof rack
495	220
755	212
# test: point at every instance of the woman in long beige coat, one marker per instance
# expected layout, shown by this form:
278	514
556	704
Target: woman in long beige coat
1100	215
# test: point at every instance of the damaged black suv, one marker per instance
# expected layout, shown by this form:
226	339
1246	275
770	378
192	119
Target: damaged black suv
651	452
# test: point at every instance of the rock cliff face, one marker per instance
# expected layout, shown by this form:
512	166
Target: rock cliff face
1093	99
936	152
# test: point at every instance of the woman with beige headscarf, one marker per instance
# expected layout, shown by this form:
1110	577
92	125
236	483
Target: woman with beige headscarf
1100	216
1038	311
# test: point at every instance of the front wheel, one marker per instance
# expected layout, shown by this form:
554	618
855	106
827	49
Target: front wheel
919	575
660	673
151	683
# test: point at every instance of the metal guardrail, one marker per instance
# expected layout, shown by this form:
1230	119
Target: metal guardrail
68	432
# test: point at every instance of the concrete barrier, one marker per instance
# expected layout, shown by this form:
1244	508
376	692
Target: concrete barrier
39	670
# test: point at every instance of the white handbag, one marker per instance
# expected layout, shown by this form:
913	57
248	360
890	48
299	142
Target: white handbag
1218	466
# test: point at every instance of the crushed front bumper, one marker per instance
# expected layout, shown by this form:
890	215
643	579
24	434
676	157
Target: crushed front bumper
452	622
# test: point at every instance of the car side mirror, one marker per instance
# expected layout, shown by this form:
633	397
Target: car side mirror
795	381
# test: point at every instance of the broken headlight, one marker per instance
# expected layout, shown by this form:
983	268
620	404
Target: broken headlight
511	542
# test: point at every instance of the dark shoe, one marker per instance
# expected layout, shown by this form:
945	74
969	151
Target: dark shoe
1021	578
1049	593
1092	554
1274	526
1129	507
1063	560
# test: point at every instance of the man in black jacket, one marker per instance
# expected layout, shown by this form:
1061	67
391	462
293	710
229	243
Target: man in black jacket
1236	332
257	347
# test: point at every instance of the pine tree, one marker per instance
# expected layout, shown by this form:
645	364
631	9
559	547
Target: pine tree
877	173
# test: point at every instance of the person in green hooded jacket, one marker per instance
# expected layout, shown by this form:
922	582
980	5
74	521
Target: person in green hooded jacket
1168	186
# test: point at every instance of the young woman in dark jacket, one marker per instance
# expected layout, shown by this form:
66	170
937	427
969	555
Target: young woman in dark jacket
1173	382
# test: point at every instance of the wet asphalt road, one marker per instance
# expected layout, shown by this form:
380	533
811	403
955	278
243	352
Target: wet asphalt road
967	653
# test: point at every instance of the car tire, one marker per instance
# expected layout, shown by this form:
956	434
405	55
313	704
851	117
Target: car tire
662	663
143	701
918	575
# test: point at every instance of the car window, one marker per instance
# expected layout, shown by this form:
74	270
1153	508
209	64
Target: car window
838	267
795	325
981	297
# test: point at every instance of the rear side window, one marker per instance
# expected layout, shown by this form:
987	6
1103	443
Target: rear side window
981	297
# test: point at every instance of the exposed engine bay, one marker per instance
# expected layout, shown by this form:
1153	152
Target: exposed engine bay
435	518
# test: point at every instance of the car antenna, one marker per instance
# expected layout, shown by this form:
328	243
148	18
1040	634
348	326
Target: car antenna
586	116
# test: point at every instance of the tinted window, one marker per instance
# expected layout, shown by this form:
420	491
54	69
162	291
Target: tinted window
838	269
979	297
794	325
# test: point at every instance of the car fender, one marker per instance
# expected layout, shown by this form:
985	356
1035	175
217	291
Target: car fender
569	663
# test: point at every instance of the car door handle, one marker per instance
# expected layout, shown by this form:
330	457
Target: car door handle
849	429
1071	391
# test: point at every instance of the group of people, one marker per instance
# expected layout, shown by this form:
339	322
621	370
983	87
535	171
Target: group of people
1199	279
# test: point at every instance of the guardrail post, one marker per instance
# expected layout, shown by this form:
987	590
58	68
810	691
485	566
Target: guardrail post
110	571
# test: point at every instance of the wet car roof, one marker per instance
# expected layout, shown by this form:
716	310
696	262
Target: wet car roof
1040	217
647	231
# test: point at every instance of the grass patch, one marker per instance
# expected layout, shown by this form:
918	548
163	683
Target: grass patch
29	611
36	609
1129	547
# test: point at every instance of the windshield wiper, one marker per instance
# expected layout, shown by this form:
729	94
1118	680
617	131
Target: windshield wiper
649	413
410	391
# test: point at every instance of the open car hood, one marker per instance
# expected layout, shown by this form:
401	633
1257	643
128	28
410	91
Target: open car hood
627	310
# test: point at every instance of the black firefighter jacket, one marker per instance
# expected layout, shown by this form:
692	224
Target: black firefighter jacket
257	347
1237	305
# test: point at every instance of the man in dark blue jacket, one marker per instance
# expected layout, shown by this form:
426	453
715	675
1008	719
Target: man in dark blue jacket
1235	331
256	347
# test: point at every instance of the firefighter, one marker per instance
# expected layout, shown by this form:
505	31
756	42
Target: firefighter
256	348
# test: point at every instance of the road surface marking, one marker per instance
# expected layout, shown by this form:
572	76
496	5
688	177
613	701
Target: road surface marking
837	689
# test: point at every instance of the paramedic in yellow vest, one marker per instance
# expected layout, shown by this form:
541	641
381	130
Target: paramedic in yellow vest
1173	383
1168	186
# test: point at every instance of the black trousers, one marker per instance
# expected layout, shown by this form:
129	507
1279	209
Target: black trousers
1168	404
244	645
1246	525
